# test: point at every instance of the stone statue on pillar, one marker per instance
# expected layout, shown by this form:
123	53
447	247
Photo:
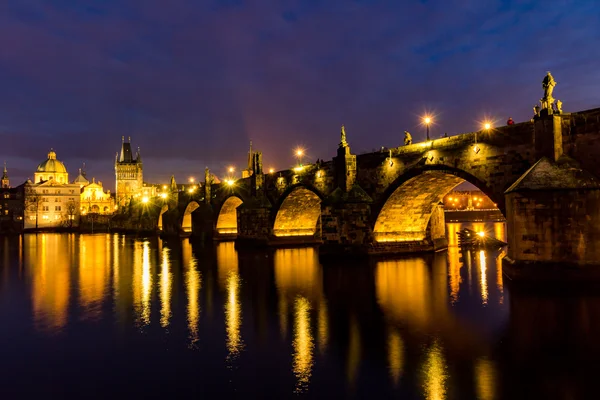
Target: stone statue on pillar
343	142
548	85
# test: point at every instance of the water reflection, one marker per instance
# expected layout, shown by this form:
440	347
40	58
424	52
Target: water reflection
482	273
485	379
404	291
165	289
229	278
193	283
48	265
395	349
406	328
303	344
435	373
94	272
298	273
354	351
142	282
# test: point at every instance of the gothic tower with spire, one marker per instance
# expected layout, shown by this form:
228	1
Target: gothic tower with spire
5	183
128	172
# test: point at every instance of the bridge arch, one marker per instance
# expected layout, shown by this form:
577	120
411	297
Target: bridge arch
227	217
163	210
406	210
298	212
186	222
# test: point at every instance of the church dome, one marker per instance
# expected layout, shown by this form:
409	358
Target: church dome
52	164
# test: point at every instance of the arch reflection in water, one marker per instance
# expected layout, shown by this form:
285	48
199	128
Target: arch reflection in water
165	288
193	284
298	273
229	278
94	273
435	373
354	350
47	263
303	344
485	379
404	291
142	282
395	349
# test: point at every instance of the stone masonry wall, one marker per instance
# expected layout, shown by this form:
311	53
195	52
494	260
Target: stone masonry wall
555	226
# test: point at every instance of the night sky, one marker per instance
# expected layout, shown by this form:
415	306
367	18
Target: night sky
192	82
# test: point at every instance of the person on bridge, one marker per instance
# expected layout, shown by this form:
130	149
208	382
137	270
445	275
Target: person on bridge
510	121
407	138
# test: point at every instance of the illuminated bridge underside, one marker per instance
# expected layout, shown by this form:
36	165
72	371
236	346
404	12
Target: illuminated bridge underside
298	214
164	209
186	224
227	221
405	215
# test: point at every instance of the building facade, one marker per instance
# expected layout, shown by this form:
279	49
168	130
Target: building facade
11	205
128	173
51	201
95	200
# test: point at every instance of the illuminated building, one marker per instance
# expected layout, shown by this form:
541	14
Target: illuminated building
51	201
129	173
95	200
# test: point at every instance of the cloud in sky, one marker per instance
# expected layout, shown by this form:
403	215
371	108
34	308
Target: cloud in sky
193	82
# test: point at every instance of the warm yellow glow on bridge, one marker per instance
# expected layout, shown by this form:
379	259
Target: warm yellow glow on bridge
227	219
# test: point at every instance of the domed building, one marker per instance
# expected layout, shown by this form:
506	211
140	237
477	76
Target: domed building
50	200
51	169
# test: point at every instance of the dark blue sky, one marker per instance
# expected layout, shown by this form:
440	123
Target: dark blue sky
193	81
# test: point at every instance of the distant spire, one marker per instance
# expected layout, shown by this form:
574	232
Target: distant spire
129	139
122	139
5	181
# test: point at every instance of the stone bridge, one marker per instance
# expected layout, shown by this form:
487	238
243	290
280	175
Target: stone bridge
541	174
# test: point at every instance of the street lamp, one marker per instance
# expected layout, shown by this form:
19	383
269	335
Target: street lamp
191	179
231	170
299	154
271	170
487	126
427	122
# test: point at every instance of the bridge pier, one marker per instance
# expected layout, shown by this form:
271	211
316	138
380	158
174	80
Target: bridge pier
553	223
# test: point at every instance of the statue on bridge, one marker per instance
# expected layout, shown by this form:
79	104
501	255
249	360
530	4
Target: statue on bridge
343	142
407	138
548	84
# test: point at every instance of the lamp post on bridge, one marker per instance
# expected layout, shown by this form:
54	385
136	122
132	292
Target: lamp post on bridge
427	122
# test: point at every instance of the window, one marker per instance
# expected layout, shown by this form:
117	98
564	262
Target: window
57	208
56	199
45	191
71	191
44	217
57	191
71	217
46	208
57	217
32	217
44	199
6	195
5	212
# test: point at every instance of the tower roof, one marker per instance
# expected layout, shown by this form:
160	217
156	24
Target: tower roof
126	155
5	172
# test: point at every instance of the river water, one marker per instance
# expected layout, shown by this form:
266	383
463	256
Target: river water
107	315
